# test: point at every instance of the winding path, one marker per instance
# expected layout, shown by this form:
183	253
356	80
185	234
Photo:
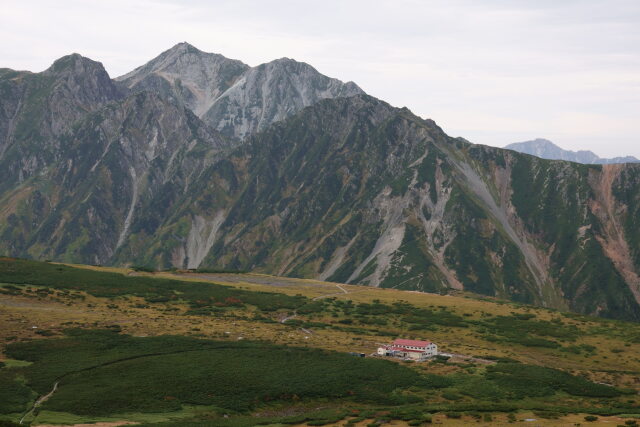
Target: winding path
344	291
40	401
295	312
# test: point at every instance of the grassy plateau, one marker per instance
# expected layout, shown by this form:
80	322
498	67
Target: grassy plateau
84	344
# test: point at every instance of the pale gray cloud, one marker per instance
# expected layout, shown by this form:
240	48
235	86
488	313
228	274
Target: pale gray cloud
493	71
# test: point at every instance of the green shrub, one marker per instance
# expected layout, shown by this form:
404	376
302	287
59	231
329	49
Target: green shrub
143	268
311	307
105	284
520	380
449	395
575	349
105	373
14	394
590	418
436	381
424	419
441	359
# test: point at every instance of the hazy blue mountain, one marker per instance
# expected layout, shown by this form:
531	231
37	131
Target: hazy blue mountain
546	149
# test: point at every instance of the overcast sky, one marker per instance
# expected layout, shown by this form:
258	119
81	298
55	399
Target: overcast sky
493	72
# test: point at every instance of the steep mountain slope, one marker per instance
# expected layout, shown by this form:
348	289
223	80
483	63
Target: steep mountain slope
357	191
139	154
548	150
36	108
230	96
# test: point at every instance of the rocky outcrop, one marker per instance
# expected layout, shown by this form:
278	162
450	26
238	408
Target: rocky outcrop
36	109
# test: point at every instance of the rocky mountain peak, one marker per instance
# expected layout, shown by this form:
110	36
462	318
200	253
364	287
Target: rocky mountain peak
187	76
270	93
84	79
230	96
74	63
184	47
181	59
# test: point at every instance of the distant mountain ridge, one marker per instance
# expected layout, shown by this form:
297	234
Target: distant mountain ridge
546	149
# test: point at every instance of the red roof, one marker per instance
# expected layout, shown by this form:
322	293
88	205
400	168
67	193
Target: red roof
411	343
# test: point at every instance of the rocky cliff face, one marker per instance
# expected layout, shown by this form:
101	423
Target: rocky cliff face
37	108
230	96
270	93
122	170
187	76
548	150
347	189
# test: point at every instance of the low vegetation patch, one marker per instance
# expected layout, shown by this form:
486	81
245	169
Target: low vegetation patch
154	290
102	373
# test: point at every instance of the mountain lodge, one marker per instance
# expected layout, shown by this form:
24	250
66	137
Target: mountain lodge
409	349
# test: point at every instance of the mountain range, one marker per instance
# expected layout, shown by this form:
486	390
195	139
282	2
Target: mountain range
194	160
233	98
546	149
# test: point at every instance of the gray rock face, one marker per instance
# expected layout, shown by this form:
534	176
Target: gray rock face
186	75
270	93
230	96
121	171
546	149
37	108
